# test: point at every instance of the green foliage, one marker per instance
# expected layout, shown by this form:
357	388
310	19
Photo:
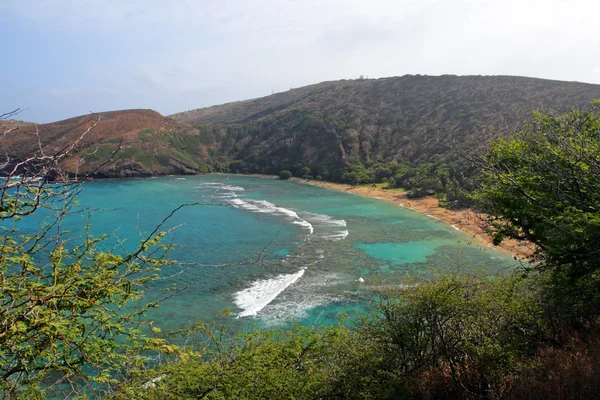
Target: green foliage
146	135
460	326
273	364
285	174
440	175
305	171
146	158
456	337
66	305
543	186
100	153
356	173
181	142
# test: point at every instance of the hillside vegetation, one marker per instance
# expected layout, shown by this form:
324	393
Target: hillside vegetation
406	131
408	118
147	144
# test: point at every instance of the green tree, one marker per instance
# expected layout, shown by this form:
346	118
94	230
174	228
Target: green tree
454	337
543	186
391	183
305	171
285	174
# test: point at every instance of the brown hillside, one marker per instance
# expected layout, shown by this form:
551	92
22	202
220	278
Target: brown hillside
112	124
12	124
409	118
247	110
328	126
150	143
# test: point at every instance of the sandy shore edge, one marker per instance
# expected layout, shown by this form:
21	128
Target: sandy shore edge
466	220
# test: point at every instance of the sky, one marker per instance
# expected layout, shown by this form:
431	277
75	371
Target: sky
63	58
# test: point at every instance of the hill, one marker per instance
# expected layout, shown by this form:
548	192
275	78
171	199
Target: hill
247	110
408	118
332	129
151	144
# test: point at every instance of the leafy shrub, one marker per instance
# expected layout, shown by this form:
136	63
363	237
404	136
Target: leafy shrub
455	336
285	174
305	171
274	364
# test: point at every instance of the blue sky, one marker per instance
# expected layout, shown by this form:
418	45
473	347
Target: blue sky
64	58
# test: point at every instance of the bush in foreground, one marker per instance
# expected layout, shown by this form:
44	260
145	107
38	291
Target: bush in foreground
457	337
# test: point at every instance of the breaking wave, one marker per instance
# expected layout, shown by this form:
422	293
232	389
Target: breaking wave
305	295
232	188
323	226
262	292
262	206
328	228
221	190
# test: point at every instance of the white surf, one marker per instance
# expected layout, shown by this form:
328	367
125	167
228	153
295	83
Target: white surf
262	206
262	292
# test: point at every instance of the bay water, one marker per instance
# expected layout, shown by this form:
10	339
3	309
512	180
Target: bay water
275	251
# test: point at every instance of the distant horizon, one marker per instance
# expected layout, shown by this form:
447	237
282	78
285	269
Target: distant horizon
24	110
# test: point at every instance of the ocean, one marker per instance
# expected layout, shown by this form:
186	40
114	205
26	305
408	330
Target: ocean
274	252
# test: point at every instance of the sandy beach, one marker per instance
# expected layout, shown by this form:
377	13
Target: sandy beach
465	220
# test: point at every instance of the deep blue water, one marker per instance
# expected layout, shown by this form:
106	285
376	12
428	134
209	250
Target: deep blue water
321	251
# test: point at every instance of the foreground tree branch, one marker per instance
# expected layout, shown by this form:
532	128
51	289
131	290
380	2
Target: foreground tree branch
64	301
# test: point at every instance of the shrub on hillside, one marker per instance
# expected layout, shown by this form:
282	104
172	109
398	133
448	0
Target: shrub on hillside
455	337
285	174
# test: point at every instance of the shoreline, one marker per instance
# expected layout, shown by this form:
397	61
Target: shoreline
464	220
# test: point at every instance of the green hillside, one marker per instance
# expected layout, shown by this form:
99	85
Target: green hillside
408	118
357	131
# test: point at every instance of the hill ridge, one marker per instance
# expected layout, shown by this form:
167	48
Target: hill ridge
332	124
190	116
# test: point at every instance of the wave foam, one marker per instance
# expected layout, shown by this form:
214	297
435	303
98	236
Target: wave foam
221	190
262	206
305	296
327	227
218	186
324	226
262	292
327	220
278	314
204	184
431	216
338	236
233	188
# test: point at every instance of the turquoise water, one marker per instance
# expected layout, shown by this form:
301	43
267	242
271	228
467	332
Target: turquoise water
273	251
